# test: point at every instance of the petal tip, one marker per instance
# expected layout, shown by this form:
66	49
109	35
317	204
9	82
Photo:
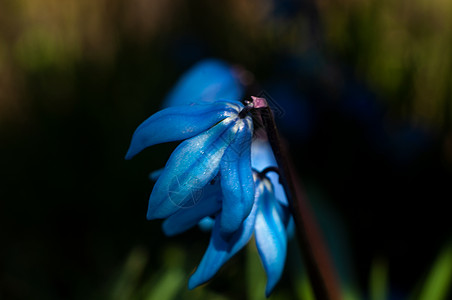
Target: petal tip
271	284
130	154
168	230
193	282
268	291
150	215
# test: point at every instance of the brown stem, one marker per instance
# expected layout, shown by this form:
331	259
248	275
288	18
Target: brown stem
318	263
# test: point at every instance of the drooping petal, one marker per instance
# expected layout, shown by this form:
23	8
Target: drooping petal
271	239
208	81
187	217
221	250
262	157
192	165
237	180
178	123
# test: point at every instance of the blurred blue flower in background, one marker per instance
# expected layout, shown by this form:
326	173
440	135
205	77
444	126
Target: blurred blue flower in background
210	80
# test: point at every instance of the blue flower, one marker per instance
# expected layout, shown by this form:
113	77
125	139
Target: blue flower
209	179
210	80
217	142
268	220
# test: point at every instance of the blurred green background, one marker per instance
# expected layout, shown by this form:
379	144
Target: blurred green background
365	87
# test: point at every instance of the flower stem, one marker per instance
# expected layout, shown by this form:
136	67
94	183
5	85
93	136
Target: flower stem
318	262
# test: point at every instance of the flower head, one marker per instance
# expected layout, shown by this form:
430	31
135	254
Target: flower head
217	177
217	141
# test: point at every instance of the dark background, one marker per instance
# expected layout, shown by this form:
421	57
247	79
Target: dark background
365	96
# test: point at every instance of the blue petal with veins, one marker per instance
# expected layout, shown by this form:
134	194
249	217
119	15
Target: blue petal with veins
237	180
220	250
209	203
178	123
271	238
192	165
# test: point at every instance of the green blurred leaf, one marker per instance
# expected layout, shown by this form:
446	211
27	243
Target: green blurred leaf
39	48
439	281
168	286
304	288
379	280
350	293
129	277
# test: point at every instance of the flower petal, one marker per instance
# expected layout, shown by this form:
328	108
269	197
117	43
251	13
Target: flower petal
237	180
178	123
262	157
209	204
206	224
192	165
271	239
208	81
221	250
